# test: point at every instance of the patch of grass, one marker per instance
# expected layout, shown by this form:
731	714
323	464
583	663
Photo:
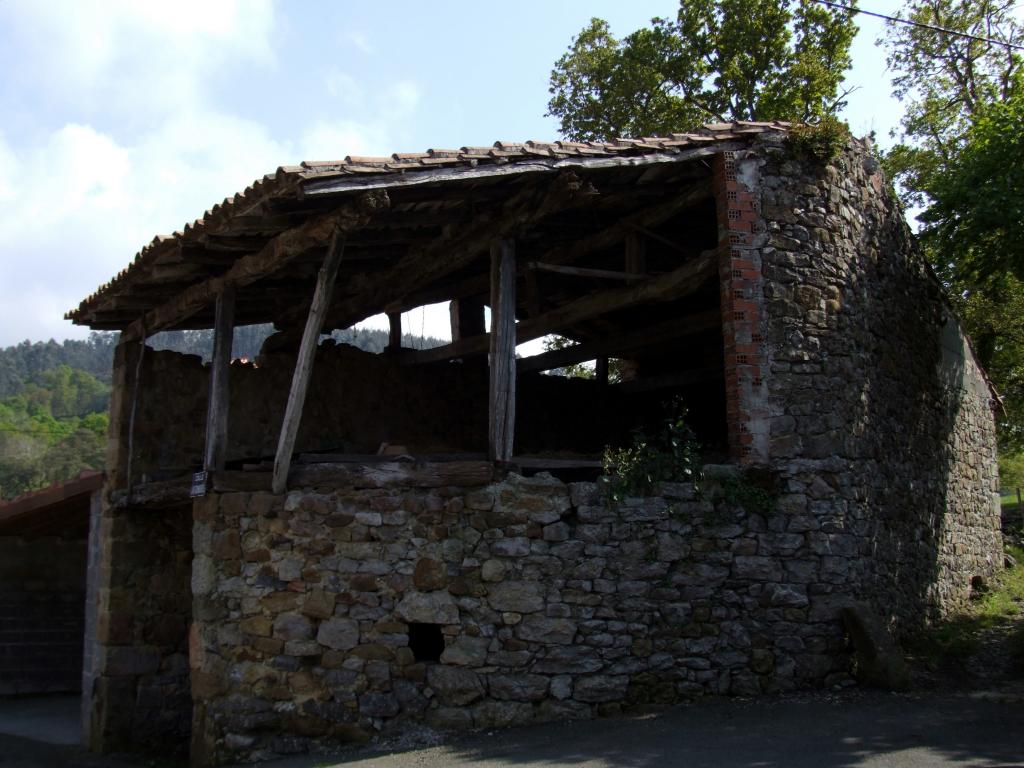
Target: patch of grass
1008	501
950	643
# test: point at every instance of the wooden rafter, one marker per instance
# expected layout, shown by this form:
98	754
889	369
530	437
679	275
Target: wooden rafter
622	344
680	282
456	249
272	257
609	237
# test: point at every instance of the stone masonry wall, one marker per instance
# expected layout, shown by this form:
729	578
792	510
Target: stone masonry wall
139	650
42	605
881	427
552	605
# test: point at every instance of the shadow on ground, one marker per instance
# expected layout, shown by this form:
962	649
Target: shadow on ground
864	729
820	731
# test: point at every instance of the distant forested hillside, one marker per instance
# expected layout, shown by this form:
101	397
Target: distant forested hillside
54	397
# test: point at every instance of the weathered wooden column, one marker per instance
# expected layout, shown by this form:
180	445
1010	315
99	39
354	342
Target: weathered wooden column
217	408
467	317
304	363
394	331
502	401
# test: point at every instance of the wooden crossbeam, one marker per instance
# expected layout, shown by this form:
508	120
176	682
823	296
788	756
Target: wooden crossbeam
680	282
621	345
304	363
272	257
602	274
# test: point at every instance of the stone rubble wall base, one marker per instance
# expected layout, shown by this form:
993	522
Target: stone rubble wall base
553	605
137	697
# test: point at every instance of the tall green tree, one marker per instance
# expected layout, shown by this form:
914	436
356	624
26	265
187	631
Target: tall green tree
718	60
946	82
959	160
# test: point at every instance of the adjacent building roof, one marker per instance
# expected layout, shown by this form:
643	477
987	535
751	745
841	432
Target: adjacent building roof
280	201
61	509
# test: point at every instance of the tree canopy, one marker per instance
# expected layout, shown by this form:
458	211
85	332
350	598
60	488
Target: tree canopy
962	140
718	60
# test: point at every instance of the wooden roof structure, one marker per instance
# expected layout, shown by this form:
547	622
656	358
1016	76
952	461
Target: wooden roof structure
412	222
536	231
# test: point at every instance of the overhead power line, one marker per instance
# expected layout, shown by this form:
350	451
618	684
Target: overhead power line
921	24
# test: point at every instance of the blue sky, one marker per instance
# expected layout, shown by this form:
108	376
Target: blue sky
122	120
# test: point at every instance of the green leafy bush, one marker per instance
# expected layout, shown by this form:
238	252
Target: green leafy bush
672	454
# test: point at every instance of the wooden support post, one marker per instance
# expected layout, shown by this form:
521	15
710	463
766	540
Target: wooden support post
394	331
636	257
502	401
467	317
304	363
601	370
136	389
217	407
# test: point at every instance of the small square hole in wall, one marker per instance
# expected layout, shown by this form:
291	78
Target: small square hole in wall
426	641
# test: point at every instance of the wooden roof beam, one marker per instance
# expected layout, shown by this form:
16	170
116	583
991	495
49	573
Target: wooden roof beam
620	345
458	248
248	269
681	282
605	238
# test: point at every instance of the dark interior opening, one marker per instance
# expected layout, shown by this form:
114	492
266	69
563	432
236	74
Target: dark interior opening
426	641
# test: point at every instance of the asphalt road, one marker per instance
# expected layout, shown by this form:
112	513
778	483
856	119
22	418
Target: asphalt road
863	729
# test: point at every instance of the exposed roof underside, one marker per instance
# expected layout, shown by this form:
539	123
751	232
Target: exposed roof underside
436	201
61	509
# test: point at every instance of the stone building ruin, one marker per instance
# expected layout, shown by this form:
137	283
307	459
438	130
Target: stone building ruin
266	584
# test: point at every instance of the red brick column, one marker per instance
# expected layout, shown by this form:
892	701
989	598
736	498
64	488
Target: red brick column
739	265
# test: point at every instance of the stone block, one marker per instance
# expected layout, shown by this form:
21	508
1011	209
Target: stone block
293	626
757	568
556	532
454	685
517	546
338	634
568	660
492	570
428	608
429	574
466	652
516	596
319	604
600	688
540	629
519	687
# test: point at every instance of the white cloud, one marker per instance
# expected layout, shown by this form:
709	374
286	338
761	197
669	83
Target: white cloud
130	61
361	42
133	142
400	100
345	88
